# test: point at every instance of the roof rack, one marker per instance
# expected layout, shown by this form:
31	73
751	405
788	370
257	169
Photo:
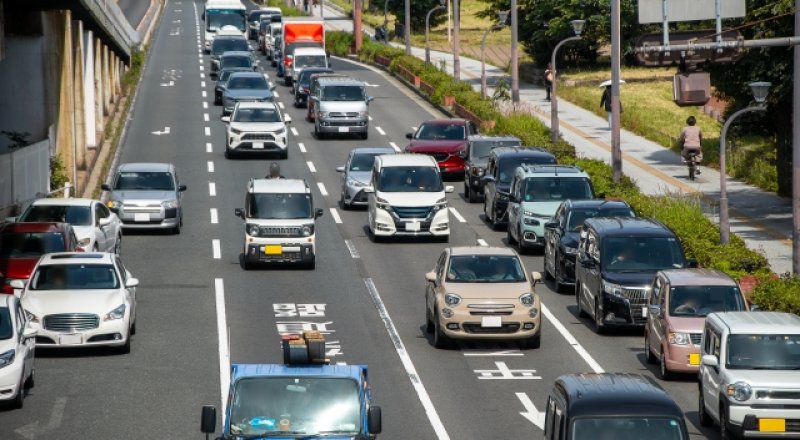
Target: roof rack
305	349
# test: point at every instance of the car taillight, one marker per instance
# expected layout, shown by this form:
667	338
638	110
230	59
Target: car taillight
6	288
287	61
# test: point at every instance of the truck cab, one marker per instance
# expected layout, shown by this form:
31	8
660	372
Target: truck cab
304	397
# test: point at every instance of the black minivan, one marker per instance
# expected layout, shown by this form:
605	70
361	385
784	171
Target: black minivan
618	258
611	406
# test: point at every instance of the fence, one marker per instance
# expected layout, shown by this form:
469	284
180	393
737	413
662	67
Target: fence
24	174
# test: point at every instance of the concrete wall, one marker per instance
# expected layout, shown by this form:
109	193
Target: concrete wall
24	175
22	89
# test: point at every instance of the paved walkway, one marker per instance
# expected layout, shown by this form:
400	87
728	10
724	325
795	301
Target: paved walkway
763	219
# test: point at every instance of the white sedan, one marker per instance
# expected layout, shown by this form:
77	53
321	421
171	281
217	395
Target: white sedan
17	346
81	299
97	228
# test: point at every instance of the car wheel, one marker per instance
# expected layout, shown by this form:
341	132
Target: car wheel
444	238
510	238
492	219
311	265
702	415
648	353
440	340
133	327
176	230
95	249
118	245
317	133
125	349
287	81
598	319
342	203
18	401
534	341
285	153
724	432
429	327
557	285
365	135
663	371
581	312
228	153
521	248
30	382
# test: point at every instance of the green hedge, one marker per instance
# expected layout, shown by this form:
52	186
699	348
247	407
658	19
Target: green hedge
782	294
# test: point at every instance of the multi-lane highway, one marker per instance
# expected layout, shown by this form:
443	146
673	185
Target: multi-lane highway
198	309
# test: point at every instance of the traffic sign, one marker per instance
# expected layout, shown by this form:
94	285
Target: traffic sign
652	11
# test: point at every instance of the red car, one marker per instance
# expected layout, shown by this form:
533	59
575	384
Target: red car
21	245
446	141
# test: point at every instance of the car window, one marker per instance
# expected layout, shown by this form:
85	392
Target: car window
144	181
363	161
75	215
20	314
441	132
592	248
311	61
30	244
409	179
641	253
699	301
237	61
655	298
98	214
279	206
580	215
626	428
343	93
547	189
257	115
222	45
247	82
74	277
485	269
763	352
6	326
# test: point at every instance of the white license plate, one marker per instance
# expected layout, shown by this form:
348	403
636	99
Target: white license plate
141	217
258	145
344	129
644	312
412	226
70	339
491	321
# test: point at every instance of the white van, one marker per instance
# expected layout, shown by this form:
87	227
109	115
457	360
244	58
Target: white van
306	57
407	197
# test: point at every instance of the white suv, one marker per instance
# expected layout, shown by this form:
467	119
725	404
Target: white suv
407	197
750	374
279	220
257	127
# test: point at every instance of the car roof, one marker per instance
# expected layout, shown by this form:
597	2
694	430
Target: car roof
309	51
77	258
146	166
481	250
627	226
697	277
549	170
236	53
238	36
445	121
247	74
63	202
372	150
596	203
482	137
405	160
279	186
609	394
506	152
758	323
243	371
258	104
34	227
340	82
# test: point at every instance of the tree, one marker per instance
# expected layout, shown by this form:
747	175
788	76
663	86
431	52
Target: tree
419	9
767	64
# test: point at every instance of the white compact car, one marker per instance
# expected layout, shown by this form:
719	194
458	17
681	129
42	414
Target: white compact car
97	228
17	346
257	127
81	299
407	197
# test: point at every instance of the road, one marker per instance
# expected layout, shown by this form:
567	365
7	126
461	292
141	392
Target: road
195	299
134	10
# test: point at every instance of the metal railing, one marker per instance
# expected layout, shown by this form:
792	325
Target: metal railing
110	17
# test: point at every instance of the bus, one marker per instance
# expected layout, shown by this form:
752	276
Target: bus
219	13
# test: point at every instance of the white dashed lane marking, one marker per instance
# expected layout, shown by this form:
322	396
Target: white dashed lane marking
215	249
294	131
211	168
322	189
212	189
482	242
457	215
336	217
393	145
280	104
302	147
352	248
209	148
204	94
206	117
214	216
311	166
380	130
208	131
205	104
203	84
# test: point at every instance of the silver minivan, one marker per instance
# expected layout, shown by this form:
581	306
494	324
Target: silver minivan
341	105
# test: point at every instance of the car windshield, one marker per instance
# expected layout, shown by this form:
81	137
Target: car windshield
30	244
302	405
237	61
548	189
702	300
435	132
279	206
363	161
6	327
256	115
578	216
305	74
294	45
485	269
225	74
257	15
481	149
263	26
627	428
247	82
74	215
409	179
222	45
634	254
508	165
763	352
216	19
144	181
74	276
343	93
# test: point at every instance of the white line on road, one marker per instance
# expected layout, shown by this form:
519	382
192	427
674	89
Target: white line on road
572	341
369	117
302	147
214	216
209	148
352	248
311	166
322	189
211	167
393	145
203	84
208	131
408	365
275	94
280	104
206	117
457	215
413	128
212	189
202	68
482	242
204	94
380	130
224	350
202	75
215	249
294	131
336	218
205	104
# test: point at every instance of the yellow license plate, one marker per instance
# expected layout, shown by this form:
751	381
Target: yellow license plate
772	425
273	249
694	359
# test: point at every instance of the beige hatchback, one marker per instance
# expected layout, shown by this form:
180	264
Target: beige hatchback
482	293
679	302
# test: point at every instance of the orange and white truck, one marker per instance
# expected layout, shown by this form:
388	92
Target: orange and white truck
299	32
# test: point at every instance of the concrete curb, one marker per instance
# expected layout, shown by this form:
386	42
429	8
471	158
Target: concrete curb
152	17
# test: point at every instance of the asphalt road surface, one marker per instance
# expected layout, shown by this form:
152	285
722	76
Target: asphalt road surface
192	286
134	10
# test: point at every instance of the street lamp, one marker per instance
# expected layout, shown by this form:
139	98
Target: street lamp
577	27
428	29
456	48
502	17
386	21
760	89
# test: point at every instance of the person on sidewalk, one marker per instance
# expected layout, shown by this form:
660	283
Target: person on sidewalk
605	102
548	80
691	140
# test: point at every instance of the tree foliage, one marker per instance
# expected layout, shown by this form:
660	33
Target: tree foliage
419	9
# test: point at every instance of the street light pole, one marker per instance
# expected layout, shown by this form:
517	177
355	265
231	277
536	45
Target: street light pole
427	31
456	48
796	148
483	57
616	150
515	54
357	33
386	21
407	30
577	26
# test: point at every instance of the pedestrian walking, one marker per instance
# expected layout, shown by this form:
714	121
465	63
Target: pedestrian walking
548	79
605	102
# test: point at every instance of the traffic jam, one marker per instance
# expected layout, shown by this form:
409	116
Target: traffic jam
65	286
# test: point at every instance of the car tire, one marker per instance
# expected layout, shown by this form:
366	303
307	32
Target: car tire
597	319
133	327
558	287
509	238
317	133
285	153
440	340
19	400
521	248
217	100
30	382
311	265
365	135
429	327
491	218
649	357
118	245
228	153
702	415
724	430
534	341
287	81
125	349
444	238
581	312
342	203
176	230
663	372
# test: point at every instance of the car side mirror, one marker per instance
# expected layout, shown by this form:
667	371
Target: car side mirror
369	190
551	225
181	188
10	219
536	277
105	187
488	179
409	135
287	119
449	188
370	99
239	212
709	360
17	284
374	425
691	263
208	419
29	332
588	263
430	277
132	282
226	119
318	213
339	169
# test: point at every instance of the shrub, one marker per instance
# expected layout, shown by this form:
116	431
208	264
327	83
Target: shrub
781	294
338	43
58	173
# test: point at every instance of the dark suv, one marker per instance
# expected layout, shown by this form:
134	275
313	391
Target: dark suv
500	167
477	156
617	261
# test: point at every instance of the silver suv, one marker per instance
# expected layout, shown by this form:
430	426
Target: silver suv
750	374
341	106
279	220
256	127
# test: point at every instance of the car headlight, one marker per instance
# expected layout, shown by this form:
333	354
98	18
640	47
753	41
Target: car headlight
323	114
478	171
533	312
308	230
7	358
526	298
381	203
252	230
356	183
31	316
363	114
85	242
570	250
679	338
114	204
117	313
451	299
235	131
528	213
170	203
740	391
612	289
280	131
440	204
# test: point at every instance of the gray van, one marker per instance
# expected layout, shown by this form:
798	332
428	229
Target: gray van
341	106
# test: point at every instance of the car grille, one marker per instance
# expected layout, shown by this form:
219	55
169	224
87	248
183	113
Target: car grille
490	312
258	137
343	114
440	156
782	395
71	322
477	329
412	212
280	231
637	297
361	197
133	209
696	337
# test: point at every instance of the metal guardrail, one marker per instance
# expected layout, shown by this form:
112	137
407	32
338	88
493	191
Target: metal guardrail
109	16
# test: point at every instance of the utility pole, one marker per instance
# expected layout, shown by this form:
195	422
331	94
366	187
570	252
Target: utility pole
514	54
616	151
796	148
456	49
408	27
357	33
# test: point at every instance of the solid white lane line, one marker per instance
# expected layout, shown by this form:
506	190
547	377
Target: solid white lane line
352	248
336	217
482	242
393	145
209	148
311	166
215	249
380	130
280	104
214	216
294	131
208	131
212	189
322	189
206	117
203	84
302	147
210	166
204	94
222	336
457	215
408	365
205	104
572	341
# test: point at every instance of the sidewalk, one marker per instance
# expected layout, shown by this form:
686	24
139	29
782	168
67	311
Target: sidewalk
761	218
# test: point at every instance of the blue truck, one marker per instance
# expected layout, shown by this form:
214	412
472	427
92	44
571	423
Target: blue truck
304	398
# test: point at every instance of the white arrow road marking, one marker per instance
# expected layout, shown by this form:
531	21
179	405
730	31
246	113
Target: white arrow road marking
457	215
531	413
504	373
159	133
32	430
214	216
169	84
394	146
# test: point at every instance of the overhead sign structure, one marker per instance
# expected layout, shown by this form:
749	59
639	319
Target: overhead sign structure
654	11
696	56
